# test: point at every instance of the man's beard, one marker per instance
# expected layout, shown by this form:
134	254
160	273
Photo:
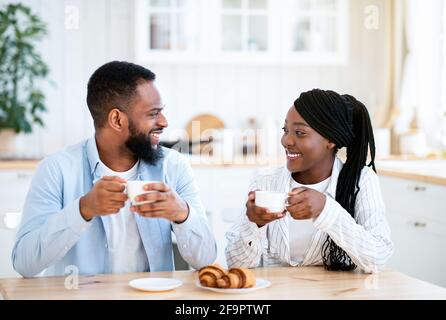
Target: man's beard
141	146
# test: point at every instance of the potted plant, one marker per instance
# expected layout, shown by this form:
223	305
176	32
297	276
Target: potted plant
21	68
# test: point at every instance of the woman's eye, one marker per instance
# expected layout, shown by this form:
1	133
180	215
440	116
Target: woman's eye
284	129
299	133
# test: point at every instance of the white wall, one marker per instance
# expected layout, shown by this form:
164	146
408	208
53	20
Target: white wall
104	33
232	92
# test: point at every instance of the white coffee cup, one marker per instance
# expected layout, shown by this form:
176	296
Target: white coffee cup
135	188
271	200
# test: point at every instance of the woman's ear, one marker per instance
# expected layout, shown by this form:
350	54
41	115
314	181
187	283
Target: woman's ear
331	145
117	120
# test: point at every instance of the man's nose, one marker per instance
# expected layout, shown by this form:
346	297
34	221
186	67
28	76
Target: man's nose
162	121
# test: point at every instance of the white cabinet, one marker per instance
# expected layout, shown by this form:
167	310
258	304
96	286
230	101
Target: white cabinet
417	216
223	191
241	31
14	185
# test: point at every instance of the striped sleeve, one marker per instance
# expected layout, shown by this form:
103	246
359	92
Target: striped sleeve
245	241
245	244
367	239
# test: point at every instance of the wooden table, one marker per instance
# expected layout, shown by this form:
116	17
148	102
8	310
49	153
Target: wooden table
286	283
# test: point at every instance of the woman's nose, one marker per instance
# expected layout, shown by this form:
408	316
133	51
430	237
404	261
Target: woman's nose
288	141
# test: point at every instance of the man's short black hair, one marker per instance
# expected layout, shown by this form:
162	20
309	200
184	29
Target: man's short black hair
113	86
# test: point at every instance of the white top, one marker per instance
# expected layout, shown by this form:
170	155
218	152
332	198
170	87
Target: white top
126	250
365	238
302	231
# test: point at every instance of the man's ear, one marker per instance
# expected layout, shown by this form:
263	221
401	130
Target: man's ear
117	120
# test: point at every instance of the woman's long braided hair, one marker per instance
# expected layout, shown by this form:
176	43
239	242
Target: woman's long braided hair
344	121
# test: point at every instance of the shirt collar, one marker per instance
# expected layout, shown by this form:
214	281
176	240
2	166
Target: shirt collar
331	189
337	166
92	154
93	160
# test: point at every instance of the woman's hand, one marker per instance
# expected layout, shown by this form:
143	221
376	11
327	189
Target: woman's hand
258	215
305	203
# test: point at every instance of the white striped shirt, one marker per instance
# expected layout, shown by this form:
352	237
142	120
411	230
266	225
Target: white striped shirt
365	238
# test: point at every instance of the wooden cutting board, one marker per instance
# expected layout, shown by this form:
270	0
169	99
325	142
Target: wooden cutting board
206	121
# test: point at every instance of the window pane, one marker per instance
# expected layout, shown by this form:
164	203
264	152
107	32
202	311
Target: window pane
302	35
232	4
179	3
160	31
326	4
258	33
324	34
316	4
232	32
160	3
186	37
258	4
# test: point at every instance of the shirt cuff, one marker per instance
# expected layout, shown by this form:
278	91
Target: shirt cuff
252	233
74	218
190	222
260	232
328	215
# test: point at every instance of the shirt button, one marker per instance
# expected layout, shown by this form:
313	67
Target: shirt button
184	246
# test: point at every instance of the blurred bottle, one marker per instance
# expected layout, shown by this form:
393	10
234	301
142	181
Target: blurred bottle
414	141
250	139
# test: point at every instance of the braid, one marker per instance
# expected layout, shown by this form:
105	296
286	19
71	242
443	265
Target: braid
345	121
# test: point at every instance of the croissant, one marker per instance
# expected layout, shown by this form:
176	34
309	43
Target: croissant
237	278
209	275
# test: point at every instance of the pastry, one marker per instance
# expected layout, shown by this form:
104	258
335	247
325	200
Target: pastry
209	275
237	278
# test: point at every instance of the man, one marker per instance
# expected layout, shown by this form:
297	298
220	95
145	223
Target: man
76	212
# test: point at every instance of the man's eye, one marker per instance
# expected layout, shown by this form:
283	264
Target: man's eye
154	114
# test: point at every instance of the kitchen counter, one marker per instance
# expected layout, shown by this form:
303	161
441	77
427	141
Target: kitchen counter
18	164
430	171
195	161
286	283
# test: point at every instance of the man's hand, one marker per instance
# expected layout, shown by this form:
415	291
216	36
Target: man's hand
305	203
166	203
258	215
106	197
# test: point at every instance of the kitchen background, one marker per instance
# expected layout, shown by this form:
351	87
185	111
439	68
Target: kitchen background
236	66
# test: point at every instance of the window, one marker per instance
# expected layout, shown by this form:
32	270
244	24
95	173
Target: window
244	25
166	28
170	25
241	31
316	30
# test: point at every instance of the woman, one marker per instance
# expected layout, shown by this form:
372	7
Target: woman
335	214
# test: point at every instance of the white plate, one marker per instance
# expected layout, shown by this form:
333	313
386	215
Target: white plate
260	284
155	284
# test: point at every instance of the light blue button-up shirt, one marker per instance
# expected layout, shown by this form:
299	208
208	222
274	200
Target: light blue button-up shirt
53	235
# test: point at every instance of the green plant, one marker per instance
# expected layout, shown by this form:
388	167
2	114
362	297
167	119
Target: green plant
21	67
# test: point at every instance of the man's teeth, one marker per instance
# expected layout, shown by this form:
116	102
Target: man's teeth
155	135
294	155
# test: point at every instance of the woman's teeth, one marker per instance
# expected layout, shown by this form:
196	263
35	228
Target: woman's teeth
294	155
